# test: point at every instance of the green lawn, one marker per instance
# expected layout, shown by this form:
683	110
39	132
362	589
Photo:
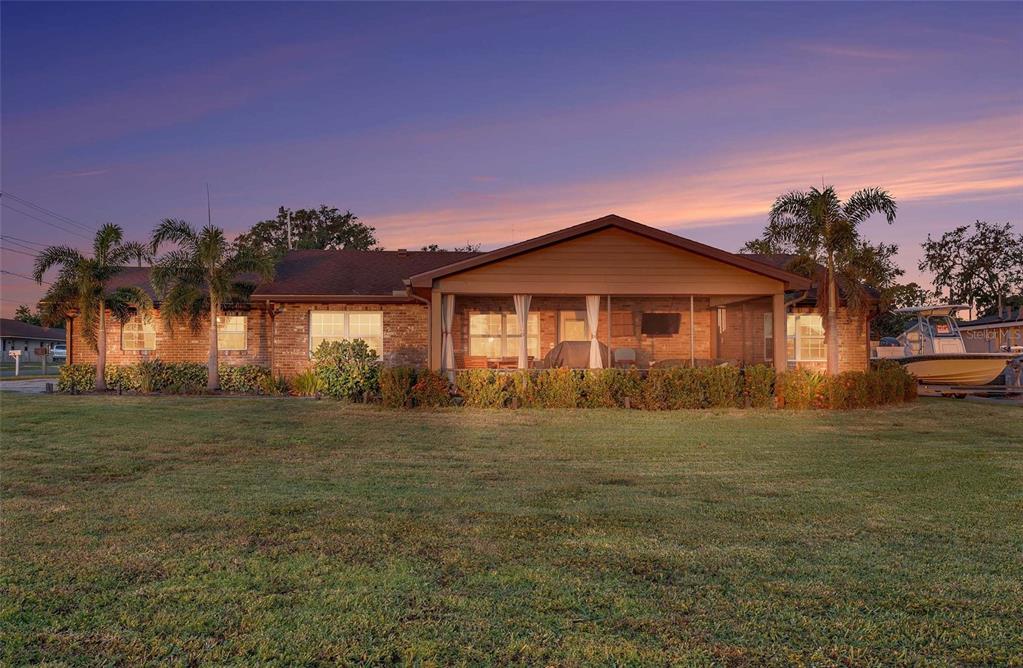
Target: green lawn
189	530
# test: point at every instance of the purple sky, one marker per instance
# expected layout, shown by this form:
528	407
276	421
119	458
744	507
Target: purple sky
493	123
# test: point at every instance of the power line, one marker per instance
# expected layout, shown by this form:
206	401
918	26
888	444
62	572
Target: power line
15	250
20	246
22	241
45	222
27	278
43	209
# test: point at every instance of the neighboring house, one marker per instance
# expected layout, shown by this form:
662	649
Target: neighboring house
642	293
994	333
18	335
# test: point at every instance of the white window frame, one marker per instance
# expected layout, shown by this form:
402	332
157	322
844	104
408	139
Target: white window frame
346	328
222	320
144	325
509	342
792	334
769	337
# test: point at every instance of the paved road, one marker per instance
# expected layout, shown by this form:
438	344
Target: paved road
28	386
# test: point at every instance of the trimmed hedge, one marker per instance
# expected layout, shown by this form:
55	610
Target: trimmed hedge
171	378
353	374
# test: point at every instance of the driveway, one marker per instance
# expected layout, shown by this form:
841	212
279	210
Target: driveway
27	386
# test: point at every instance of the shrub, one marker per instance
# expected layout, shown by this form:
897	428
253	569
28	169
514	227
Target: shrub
307	384
556	388
274	386
522	388
124	378
348	369
245	379
183	377
802	388
676	388
396	385
76	378
722	386
483	388
431	389
608	388
152	376
758	385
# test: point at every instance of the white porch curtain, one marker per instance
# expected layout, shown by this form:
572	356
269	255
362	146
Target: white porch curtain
522	313
447	347
592	318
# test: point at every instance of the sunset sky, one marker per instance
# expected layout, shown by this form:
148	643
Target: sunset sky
493	123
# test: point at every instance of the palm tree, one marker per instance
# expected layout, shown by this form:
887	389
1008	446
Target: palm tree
823	230
82	285
203	273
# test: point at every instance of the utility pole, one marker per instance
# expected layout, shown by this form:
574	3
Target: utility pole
289	230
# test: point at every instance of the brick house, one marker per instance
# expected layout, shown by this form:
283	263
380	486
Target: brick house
609	291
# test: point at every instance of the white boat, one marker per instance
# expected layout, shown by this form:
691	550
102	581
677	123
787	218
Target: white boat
932	349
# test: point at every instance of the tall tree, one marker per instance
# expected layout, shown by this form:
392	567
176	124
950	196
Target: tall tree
820	229
326	227
24	314
982	267
199	276
82	285
898	295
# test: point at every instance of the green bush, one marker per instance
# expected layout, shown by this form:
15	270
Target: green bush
722	386
483	388
801	389
348	369
396	385
758	385
244	379
123	378
557	388
307	384
675	388
432	389
609	388
76	378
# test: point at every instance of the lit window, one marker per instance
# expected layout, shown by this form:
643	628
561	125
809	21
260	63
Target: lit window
805	338
138	334
496	335
342	325
231	332
573	326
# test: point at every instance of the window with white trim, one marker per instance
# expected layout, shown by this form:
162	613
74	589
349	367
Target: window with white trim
768	336
138	333
805	338
345	325
495	335
231	330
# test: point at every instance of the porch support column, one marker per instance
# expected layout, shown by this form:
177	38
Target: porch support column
692	332
436	330
779	327
447	344
522	313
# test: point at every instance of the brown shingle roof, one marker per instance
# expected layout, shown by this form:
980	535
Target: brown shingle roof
336	273
784	260
16	329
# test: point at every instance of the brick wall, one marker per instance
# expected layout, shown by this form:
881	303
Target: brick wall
406	334
177	343
853	353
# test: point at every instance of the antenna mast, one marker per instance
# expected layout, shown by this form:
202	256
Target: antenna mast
209	210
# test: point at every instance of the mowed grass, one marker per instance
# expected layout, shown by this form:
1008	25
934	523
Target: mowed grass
248	531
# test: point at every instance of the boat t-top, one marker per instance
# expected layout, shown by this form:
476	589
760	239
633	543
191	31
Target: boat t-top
931	348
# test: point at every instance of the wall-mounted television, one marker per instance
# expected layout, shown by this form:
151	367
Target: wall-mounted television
661	324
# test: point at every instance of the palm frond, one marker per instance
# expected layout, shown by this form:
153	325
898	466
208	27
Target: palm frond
868	201
108	237
127	301
65	256
129	252
174	231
